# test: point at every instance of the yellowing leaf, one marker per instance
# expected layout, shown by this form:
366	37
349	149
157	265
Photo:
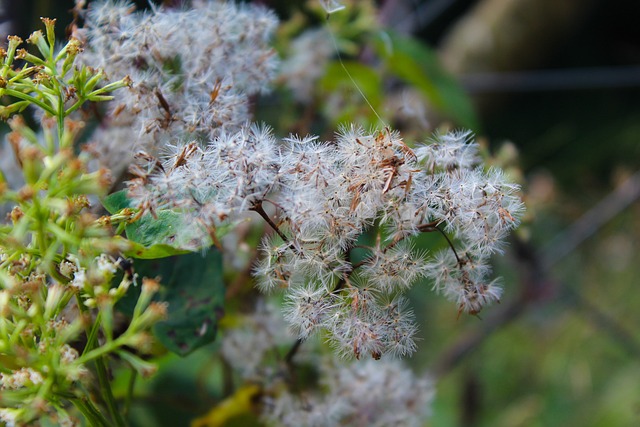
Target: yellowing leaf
241	402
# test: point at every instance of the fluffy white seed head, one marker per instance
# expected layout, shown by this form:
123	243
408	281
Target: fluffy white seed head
308	309
371	393
193	70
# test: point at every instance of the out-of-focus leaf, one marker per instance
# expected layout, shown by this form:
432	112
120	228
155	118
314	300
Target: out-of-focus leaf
115	202
337	80
418	65
240	403
132	249
154	251
192	285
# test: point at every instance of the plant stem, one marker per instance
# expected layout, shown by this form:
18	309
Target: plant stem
130	388
455	253
92	335
90	412
292	351
260	210
90	353
29	98
422	227
102	350
105	386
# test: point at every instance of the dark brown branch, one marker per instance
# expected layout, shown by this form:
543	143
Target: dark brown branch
243	277
428	228
589	223
470	341
425	228
257	207
602	320
345	276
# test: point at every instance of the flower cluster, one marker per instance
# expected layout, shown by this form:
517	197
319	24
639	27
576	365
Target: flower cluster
328	194
305	65
59	261
370	393
193	71
210	184
342	216
247	346
42	323
383	393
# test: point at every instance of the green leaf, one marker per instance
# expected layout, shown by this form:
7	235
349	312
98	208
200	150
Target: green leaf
169	233
418	65
151	237
192	285
168	228
115	202
154	251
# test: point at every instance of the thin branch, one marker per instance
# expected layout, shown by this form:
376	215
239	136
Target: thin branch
346	275
453	248
422	227
288	358
257	207
552	80
243	277
603	320
588	224
470	341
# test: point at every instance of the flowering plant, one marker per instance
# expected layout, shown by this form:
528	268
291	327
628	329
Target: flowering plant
342	217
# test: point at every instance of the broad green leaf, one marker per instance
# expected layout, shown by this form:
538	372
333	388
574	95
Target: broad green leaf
192	285
140	251
168	228
169	233
151	237
115	202
418	65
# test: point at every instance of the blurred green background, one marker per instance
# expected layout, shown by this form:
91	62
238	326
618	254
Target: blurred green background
560	80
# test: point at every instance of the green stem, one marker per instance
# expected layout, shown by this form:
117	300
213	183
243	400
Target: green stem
102	350
130	388
31	99
90	412
105	386
60	115
75	106
12	257
90	352
92	336
41	234
101	368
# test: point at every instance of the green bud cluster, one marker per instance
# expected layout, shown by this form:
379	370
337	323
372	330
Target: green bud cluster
61	269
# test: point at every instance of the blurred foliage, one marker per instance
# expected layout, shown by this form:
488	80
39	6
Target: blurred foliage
416	64
194	289
557	364
570	359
